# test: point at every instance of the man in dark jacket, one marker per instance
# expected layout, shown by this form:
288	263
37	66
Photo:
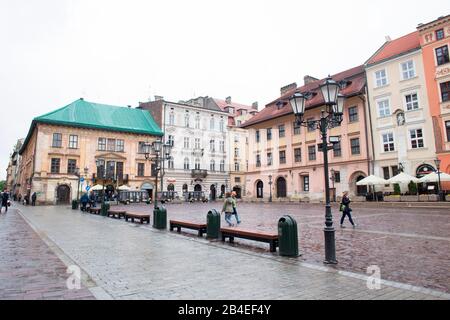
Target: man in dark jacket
5	198
33	199
346	210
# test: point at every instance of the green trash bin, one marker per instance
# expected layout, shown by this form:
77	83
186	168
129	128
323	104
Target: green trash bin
74	204
288	237
213	224
160	218
105	208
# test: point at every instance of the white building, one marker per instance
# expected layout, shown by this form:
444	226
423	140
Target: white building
198	132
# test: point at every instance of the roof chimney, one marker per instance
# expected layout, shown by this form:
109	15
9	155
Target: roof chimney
129	106
388	38
255	105
158	98
82	99
228	100
308	79
287	88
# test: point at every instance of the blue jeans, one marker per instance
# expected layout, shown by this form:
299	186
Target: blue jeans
228	218
236	215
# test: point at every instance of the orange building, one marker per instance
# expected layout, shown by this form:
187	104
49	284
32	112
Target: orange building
435	43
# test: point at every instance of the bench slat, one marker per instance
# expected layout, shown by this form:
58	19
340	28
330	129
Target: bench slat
254	234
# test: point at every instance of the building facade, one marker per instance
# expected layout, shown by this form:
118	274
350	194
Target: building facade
402	128
198	132
66	144
435	43
284	161
237	141
12	176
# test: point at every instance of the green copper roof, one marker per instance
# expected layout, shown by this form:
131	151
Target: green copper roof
84	114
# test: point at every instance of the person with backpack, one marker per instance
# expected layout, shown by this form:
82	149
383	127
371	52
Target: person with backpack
346	210
228	206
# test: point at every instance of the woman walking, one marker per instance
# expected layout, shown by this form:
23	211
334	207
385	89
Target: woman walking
346	211
228	206
235	213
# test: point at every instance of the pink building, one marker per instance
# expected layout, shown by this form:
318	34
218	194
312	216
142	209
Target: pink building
287	155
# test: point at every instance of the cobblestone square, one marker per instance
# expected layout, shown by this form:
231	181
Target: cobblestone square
132	261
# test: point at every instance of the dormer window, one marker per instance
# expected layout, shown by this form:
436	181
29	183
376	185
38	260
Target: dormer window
231	110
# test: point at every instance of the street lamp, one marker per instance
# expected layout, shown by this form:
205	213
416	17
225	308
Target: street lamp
77	173
100	164
270	188
329	118
437	162
333	179
157	153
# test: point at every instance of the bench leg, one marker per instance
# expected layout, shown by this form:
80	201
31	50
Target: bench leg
179	229
132	219
231	239
223	238
200	233
171	227
273	246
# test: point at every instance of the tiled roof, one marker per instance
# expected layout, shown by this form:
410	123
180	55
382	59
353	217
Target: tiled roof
237	106
84	114
355	76
394	48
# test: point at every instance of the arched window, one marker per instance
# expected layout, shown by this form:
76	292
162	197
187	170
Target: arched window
222	165
197	164
237	167
212	145
212	165
186	163
171	187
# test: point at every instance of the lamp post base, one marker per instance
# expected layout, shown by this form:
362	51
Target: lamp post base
330	249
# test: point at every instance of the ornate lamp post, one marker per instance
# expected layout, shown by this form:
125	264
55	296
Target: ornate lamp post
333	179
101	165
329	118
437	162
157	153
270	188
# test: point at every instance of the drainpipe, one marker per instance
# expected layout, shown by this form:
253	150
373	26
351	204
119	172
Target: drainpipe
371	131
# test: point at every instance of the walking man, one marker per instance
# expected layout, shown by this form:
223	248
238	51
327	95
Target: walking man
235	213
228	208
4	200
346	210
33	199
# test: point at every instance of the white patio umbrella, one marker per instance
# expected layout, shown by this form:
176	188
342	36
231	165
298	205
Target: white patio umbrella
403	178
124	188
372	181
434	177
97	187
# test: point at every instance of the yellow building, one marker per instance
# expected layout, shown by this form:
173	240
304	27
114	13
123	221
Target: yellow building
66	144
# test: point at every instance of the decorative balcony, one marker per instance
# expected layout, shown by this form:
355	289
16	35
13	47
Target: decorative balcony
199	174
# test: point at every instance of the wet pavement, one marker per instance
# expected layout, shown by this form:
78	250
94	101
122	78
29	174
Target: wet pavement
409	245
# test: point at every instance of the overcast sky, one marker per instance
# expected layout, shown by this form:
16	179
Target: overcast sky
53	52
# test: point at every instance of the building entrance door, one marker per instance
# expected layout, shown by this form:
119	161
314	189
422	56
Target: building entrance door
63	194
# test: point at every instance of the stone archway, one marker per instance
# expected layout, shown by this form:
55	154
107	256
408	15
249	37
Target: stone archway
357	190
281	187
62	194
259	189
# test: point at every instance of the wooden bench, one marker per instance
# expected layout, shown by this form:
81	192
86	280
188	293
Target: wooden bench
270	238
117	214
95	210
143	217
200	227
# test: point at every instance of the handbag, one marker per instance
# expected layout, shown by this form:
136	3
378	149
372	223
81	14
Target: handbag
342	207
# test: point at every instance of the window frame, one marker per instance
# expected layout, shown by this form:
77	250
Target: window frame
140	169
408	70
447	129
306	183
412	102
73	143
310	154
54	165
71	168
387	143
384	115
269	134
297	128
102	144
381	79
446	58
57	143
352	118
282	157
297	155
416	139
353	147
269	159
439	31
282	131
446	91
120	145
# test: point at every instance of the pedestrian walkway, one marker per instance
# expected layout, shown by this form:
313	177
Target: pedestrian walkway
130	261
28	268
